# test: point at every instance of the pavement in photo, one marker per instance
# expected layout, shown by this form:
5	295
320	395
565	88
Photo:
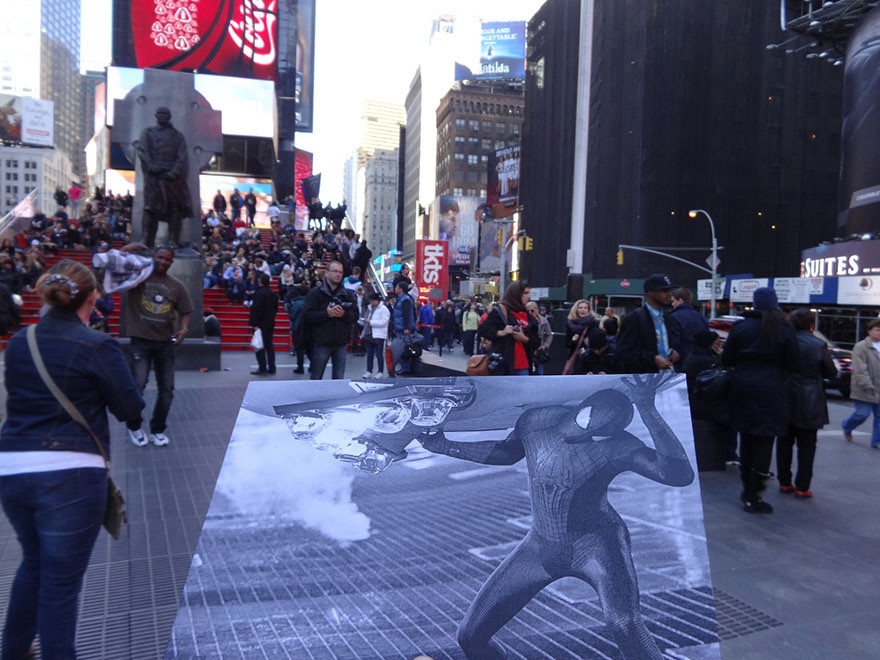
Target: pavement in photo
798	584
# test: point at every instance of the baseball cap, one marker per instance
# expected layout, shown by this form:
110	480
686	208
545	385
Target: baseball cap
658	282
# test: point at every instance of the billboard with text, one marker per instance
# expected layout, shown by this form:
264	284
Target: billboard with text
501	55
432	269
24	120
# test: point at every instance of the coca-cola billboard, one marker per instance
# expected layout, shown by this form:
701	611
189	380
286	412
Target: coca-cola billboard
228	37
432	269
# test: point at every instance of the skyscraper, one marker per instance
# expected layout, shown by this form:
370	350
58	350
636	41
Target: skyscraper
380	128
380	200
40	59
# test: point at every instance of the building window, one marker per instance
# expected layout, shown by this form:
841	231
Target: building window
472	159
499	128
482	193
459	139
484	158
486	144
474	125
459	157
472	192
459	124
514	130
499	144
458	192
473	141
487	126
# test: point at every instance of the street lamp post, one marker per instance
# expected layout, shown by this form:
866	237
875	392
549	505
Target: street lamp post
693	214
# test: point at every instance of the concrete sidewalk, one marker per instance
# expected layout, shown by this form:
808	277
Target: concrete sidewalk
798	584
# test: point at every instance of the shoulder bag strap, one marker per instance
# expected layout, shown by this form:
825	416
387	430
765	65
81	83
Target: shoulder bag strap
56	391
580	341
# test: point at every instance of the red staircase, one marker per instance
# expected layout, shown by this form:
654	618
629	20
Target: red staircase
233	317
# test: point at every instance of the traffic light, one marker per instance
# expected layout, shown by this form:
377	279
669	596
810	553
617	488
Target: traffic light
500	236
529	243
620	257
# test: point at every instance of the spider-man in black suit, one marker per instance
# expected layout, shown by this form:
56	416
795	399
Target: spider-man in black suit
573	453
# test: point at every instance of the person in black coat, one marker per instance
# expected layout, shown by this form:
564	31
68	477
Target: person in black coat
761	347
262	316
808	408
512	331
689	320
596	359
638	348
329	313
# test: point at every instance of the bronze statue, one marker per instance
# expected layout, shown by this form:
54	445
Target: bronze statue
162	150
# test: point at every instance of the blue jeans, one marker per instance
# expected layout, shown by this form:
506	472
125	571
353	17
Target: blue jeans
56	517
159	355
375	347
520	372
860	414
321	355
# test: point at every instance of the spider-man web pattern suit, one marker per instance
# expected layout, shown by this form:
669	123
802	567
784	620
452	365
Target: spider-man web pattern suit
575	531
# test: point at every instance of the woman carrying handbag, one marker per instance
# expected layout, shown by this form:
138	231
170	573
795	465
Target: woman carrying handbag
512	331
53	470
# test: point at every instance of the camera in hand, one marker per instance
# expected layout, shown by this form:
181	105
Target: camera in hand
496	362
336	300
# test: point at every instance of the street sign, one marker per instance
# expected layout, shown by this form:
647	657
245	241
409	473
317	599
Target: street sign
717	261
704	289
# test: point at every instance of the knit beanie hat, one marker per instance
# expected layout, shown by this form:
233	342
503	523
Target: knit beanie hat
765	298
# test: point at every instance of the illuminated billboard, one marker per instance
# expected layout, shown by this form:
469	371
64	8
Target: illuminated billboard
454	219
270	40
24	120
247	106
501	55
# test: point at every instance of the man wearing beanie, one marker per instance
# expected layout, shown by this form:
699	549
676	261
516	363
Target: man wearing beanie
649	337
761	347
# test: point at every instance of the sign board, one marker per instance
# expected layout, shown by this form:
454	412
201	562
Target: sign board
842	259
540	293
501	55
37	122
27	121
704	289
792	289
743	290
864	290
502	181
432	269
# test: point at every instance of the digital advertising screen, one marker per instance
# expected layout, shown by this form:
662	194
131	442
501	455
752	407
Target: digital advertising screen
247	106
226	37
501	54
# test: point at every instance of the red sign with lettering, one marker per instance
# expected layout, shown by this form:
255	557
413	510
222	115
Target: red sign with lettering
624	284
228	37
432	269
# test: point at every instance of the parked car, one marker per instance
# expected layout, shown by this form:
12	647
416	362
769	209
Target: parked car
841	357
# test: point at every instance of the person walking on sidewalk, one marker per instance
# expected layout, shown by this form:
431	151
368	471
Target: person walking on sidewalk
807	407
761	347
262	316
157	318
865	388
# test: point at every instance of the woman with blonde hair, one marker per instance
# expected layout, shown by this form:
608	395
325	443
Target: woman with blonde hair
580	322
53	476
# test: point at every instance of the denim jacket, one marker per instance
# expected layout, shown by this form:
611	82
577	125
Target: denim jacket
88	366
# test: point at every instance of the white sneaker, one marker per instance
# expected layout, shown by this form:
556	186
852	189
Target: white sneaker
367	374
138	439
159	439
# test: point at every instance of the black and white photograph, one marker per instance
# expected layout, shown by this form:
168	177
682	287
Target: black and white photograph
455	518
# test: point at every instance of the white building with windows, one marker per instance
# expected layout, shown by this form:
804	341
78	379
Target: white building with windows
380	200
24	168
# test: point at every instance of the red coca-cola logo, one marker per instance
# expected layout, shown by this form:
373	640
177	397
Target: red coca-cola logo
229	37
253	30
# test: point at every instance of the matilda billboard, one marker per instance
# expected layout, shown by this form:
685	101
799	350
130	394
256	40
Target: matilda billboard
502	54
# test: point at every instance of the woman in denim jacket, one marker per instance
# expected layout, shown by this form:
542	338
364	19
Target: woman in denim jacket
53	480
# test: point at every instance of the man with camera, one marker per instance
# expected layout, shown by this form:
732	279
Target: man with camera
330	313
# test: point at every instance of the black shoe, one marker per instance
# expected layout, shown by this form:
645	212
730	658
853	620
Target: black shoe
299	370
757	506
271	372
259	372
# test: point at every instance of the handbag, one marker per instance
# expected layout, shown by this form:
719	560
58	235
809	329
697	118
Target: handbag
257	340
478	365
568	369
114	513
541	355
713	385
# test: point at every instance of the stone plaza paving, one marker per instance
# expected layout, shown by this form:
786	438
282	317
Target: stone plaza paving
800	584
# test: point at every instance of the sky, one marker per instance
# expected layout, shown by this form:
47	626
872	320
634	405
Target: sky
363	50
